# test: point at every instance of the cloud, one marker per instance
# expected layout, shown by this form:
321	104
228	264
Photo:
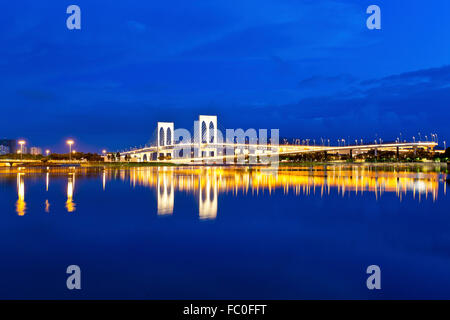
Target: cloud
136	26
315	81
37	96
433	76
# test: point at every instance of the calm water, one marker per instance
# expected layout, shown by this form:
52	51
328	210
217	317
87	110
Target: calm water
165	233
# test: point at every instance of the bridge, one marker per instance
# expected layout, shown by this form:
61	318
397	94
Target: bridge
25	162
15	162
208	146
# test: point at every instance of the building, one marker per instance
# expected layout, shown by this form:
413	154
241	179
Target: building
35	151
4	150
8	146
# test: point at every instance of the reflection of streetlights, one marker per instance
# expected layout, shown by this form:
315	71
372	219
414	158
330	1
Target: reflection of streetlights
70	143
21	142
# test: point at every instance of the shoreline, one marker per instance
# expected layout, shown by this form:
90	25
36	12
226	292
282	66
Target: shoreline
169	164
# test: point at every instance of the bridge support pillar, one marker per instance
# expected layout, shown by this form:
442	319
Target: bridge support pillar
398	153
415	151
351	153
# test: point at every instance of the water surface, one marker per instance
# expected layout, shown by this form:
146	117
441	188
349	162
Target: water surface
216	232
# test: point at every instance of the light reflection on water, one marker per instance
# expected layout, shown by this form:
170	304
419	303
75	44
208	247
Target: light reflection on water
206	183
70	205
21	205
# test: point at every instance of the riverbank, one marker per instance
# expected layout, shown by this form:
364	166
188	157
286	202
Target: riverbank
309	163
129	164
282	164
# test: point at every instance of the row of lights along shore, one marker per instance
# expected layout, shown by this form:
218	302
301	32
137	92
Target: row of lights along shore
47	152
69	142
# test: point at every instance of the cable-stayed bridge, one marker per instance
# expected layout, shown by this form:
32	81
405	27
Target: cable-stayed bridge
208	145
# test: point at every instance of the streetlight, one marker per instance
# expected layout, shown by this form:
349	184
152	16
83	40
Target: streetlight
70	143
21	142
47	152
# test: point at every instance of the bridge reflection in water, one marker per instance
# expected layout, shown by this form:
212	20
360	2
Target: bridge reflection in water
206	183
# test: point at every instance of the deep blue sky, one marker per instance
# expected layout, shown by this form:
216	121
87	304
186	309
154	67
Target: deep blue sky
310	68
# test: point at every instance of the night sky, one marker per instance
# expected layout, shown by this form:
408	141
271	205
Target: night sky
310	68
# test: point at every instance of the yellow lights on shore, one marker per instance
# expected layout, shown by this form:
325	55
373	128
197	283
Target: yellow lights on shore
21	143
70	143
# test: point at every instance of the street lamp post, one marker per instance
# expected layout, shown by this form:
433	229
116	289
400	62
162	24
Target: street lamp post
47	152
21	142
70	143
